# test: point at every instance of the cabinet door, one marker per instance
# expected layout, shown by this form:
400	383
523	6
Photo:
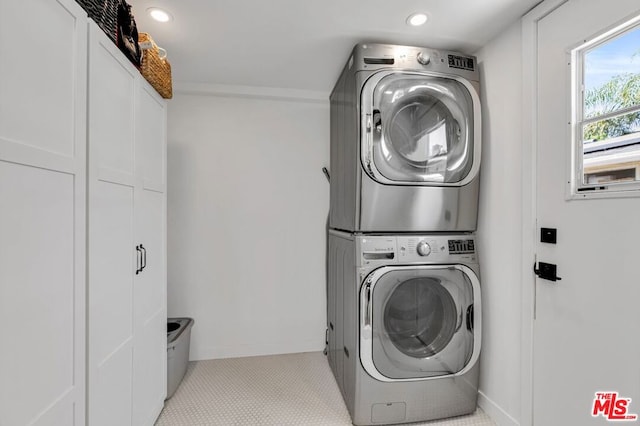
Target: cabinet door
42	212
112	254
151	139
150	318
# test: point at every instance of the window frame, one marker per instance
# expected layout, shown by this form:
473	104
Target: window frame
577	189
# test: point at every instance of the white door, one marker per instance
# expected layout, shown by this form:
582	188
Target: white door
112	255
42	212
586	324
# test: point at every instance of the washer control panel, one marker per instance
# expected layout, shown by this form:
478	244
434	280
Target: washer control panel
427	248
377	249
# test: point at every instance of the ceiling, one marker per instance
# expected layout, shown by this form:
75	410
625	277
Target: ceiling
303	45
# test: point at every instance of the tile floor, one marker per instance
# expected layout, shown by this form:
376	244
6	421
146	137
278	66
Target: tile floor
292	389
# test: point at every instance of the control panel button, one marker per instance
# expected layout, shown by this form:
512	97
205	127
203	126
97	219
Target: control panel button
423	58
424	249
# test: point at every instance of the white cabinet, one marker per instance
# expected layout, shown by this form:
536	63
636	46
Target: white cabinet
126	241
46	196
43	73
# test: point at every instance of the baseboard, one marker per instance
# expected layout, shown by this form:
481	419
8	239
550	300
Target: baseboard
156	413
241	351
493	410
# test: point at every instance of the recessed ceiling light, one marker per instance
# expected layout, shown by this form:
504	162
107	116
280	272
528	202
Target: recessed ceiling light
159	15
417	19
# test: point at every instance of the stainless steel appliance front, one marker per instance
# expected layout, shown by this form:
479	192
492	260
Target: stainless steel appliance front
405	141
404	325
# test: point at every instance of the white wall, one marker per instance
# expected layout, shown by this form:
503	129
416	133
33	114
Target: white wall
247	210
247	205
500	225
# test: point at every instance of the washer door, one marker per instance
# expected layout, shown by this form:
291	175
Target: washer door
417	322
420	129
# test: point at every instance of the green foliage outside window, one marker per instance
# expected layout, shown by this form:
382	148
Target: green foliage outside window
622	91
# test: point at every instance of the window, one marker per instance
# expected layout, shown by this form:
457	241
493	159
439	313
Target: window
606	111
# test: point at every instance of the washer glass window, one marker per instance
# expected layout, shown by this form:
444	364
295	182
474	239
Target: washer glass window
420	324
423	129
420	317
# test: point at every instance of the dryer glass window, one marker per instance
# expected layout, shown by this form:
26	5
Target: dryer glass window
420	324
423	129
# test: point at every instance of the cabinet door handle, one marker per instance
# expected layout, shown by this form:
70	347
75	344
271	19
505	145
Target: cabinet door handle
138	260
144	258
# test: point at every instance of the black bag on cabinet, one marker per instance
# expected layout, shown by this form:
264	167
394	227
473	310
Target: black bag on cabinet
127	33
104	13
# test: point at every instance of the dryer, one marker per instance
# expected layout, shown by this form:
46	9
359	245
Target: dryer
404	325
405	141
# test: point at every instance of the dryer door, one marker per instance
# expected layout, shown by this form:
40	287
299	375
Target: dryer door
420	130
418	322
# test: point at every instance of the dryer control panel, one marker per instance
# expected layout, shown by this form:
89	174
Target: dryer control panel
374	56
425	249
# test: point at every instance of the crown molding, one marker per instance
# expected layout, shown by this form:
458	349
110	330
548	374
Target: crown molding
255	92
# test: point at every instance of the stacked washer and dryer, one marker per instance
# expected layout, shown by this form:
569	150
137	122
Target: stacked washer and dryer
403	294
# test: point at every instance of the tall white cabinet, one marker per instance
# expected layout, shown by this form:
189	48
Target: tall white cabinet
82	225
43	71
126	241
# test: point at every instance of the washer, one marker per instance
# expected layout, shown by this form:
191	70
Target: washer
404	325
405	141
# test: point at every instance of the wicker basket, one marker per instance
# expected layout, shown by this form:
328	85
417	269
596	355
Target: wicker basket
104	13
155	66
